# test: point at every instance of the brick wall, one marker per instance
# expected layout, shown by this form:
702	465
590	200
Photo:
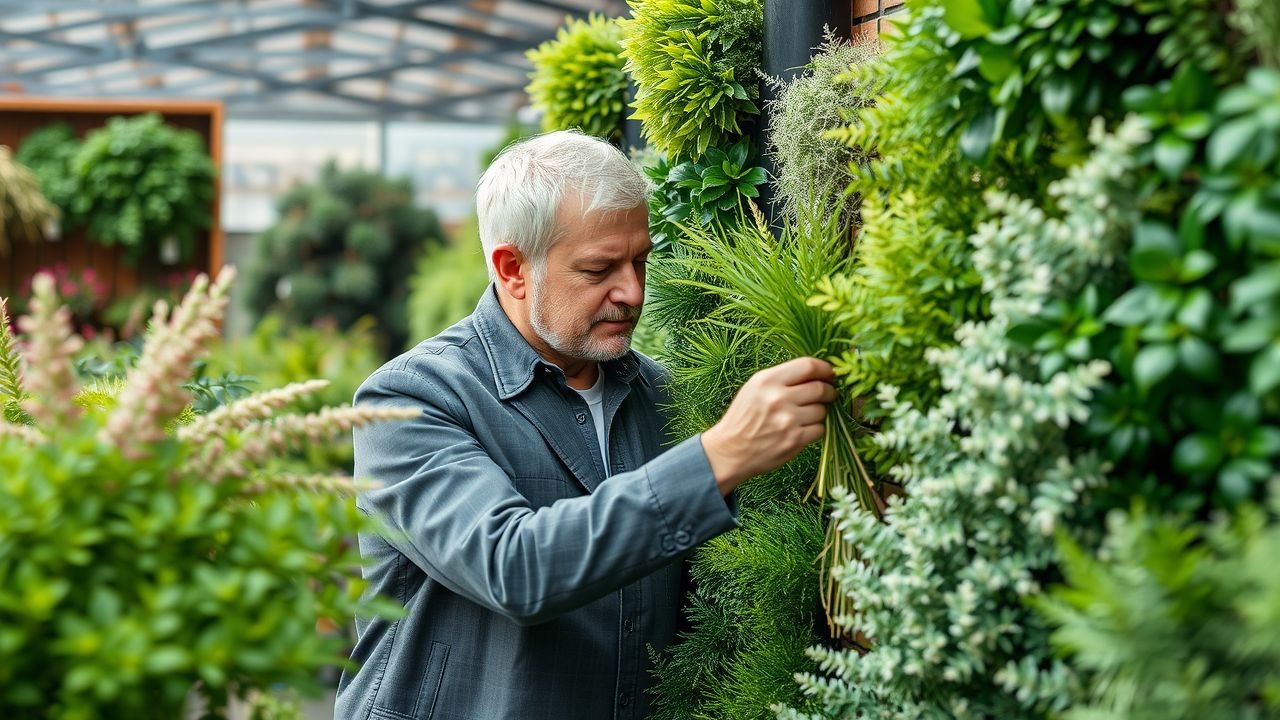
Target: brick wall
871	18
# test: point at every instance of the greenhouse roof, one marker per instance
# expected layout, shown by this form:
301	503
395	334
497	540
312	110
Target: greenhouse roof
455	60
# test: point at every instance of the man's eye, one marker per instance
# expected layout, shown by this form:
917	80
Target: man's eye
597	273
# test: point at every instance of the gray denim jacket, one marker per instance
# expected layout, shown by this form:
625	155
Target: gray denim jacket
535	582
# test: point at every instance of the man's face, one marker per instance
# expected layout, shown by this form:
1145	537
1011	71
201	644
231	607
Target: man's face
587	294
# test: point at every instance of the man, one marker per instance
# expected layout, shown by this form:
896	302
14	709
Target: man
539	517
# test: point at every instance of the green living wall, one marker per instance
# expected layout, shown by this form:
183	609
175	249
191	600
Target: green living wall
1055	326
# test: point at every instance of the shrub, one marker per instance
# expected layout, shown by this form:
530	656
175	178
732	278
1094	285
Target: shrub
343	248
139	178
25	214
577	78
146	551
809	164
694	63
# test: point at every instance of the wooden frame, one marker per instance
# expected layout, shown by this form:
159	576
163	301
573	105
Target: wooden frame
20	116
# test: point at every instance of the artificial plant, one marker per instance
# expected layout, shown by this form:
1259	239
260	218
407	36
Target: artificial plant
149	551
144	185
577	79
25	214
343	248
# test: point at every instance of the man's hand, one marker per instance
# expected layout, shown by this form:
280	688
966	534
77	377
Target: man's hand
774	416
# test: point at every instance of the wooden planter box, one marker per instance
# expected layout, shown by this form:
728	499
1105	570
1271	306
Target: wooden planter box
20	116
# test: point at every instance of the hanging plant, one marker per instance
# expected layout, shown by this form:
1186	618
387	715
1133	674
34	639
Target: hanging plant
25	214
142	184
578	80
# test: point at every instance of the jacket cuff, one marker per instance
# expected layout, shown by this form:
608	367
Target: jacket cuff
688	500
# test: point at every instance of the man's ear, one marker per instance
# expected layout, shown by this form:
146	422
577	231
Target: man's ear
511	270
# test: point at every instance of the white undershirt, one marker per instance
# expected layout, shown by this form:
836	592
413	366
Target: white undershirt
594	396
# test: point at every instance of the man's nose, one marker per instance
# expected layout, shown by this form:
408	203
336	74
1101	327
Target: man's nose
630	288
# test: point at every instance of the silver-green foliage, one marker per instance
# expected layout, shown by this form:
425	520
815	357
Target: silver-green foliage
808	162
989	477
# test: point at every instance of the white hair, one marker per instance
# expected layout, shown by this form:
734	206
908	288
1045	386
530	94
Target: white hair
518	197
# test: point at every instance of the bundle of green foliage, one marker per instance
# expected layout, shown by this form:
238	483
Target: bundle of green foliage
148	551
139	178
735	300
694	63
49	152
1175	620
344	248
25	214
809	164
578	81
448	283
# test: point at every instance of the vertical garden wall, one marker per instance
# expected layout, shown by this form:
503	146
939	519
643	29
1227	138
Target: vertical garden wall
1039	242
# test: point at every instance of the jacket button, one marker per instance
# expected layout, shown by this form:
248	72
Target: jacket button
682	538
624	699
667	543
582	418
628	626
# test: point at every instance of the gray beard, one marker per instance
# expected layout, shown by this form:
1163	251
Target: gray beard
582	347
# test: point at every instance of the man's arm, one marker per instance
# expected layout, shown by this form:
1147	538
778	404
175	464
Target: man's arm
458	516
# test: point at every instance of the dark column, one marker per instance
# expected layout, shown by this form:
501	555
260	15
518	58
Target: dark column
792	29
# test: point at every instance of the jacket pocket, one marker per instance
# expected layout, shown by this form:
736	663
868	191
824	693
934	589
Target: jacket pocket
409	702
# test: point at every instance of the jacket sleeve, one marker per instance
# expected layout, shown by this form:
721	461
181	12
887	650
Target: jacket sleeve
456	514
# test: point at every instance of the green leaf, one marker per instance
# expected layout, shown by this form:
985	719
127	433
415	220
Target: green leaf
1172	154
1257	287
1156	253
1251	335
1264	372
1199	358
1133	308
1195	454
977	138
1153	363
1196	265
1228	143
756	176
1196	310
965	17
1057	95
1263	442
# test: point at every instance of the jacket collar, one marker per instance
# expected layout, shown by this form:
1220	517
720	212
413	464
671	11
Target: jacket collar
514	361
